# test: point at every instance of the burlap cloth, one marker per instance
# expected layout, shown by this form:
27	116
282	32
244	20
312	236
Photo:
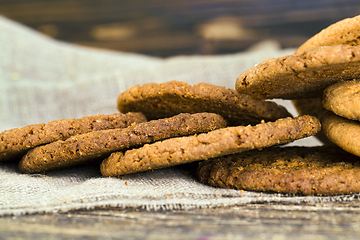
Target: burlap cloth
43	80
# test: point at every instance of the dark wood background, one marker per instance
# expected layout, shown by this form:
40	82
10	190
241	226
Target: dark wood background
167	27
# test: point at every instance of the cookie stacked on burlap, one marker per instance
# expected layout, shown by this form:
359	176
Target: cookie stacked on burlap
326	65
254	124
237	135
177	112
70	142
93	145
16	142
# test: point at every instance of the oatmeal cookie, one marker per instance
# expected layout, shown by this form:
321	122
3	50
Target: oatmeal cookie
343	132
216	143
301	76
87	147
320	170
159	100
343	99
346	31
16	142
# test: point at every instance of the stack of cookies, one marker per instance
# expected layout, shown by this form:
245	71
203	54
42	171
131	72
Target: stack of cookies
236	135
321	79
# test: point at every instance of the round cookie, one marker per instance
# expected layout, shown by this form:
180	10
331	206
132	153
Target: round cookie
86	147
15	142
343	99
301	76
343	132
346	31
158	100
216	143
321	170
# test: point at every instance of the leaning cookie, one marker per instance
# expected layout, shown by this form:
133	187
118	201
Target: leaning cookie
343	132
216	143
15	142
158	100
346	31
321	170
86	147
301	76
343	99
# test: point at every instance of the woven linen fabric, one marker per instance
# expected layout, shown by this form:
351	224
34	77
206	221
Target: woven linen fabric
43	80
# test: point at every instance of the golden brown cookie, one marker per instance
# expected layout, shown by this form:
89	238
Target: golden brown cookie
15	142
320	170
343	132
343	99
159	100
87	147
216	143
301	76
346	31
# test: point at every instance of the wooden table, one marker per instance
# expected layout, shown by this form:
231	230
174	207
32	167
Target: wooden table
251	221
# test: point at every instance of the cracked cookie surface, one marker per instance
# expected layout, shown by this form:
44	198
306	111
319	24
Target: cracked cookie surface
87	147
346	31
343	99
343	132
301	76
159	100
320	170
15	142
216	143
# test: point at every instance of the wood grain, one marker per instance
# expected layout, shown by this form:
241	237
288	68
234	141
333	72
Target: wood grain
252	221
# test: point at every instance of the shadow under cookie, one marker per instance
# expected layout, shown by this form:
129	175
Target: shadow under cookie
313	107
